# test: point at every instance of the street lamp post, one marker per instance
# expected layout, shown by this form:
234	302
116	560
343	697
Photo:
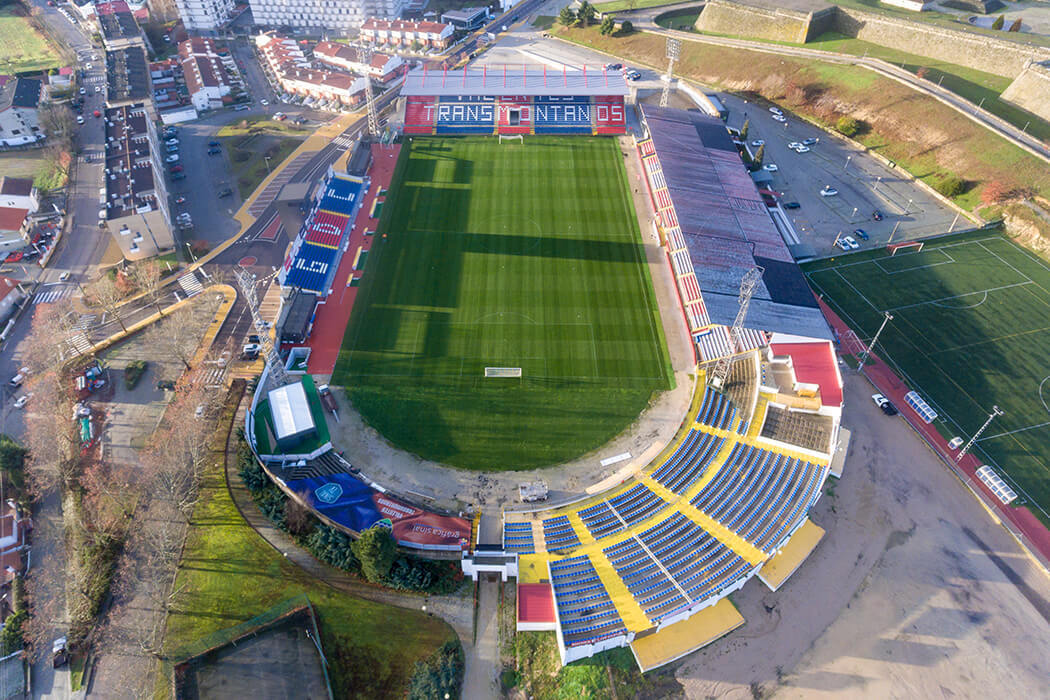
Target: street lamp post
190	248
267	159
848	159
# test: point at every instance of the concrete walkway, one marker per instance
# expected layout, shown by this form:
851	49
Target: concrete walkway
482	663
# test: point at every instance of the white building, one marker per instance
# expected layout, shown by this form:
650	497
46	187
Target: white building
323	16
382	67
205	72
204	15
19	101
399	32
298	76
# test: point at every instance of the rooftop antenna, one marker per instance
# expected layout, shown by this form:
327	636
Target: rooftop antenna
748	283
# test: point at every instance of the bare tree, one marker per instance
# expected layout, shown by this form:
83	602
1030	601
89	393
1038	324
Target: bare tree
104	292
146	278
178	335
57	121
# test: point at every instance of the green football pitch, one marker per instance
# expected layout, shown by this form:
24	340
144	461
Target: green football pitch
505	256
970	330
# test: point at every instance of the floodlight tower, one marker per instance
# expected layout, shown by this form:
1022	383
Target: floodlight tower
365	53
748	283
867	350
996	411
674	50
246	281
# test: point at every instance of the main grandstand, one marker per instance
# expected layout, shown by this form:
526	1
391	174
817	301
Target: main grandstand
515	100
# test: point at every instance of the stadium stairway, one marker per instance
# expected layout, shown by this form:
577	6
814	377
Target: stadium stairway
581	530
539	543
631	612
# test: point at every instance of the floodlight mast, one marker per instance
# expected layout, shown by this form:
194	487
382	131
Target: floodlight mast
867	350
246	281
996	411
748	283
674	50
365	53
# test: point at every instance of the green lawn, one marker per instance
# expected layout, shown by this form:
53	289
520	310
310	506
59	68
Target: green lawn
228	574
682	20
970	328
22	48
505	256
621	5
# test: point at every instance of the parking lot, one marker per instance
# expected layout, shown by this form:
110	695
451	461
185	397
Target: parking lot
863	183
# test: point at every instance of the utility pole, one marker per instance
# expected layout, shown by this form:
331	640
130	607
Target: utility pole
867	351
365	53
996	411
674	50
748	283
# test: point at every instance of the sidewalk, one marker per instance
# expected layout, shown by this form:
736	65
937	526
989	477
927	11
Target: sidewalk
1020	520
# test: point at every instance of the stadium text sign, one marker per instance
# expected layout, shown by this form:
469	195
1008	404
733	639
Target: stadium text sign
580	113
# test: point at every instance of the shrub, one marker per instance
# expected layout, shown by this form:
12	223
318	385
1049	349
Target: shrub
12	462
608	26
626	27
922	72
333	548
133	373
1016	26
250	471
11	639
566	17
271	503
999	22
950	186
375	549
439	676
847	126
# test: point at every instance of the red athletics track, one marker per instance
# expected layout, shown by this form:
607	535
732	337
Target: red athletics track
332	316
887	382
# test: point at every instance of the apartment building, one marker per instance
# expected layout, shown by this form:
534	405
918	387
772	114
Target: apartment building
321	16
117	25
135	204
204	15
19	102
205	72
127	76
297	75
382	67
399	32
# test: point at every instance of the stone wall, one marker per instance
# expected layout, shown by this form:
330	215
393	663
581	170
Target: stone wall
1031	90
759	20
771	23
958	46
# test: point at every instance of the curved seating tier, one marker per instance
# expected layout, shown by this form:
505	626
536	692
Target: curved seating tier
716	410
689	462
586	612
634	505
517	537
558	534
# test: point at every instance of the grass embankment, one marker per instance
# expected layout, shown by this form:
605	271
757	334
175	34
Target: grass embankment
228	574
622	5
927	138
23	48
250	142
975	301
512	256
682	20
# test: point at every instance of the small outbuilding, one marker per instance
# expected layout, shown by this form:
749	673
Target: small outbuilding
291	416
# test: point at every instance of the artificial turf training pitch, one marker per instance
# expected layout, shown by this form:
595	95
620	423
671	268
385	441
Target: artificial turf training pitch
970	329
505	256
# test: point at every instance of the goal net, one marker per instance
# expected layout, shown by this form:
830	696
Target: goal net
503	371
520	138
912	246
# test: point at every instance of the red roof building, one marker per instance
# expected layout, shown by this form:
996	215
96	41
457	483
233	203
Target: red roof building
536	607
814	363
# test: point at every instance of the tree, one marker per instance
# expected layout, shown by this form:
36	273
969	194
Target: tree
107	294
744	129
566	17
177	336
12	463
848	126
950	186
626	27
999	22
759	154
995	192
376	550
1016	26
57	121
608	26
586	13
922	72
145	277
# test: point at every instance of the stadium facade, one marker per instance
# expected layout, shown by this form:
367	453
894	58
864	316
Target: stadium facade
515	100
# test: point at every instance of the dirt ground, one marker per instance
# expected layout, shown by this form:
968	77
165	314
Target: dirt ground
914	592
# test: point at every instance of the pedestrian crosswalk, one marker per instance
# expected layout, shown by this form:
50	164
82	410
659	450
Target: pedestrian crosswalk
343	142
80	344
190	284
50	295
85	322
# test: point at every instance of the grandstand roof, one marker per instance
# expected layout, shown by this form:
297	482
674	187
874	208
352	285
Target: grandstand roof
727	227
514	80
814	363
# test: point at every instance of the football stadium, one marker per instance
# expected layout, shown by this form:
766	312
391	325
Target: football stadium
488	303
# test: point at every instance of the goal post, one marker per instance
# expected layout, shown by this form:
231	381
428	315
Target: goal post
912	246
520	138
503	371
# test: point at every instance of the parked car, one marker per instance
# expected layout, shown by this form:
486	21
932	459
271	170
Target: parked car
178	176
98	88
793	145
770	167
810	141
877	215
250	351
613	66
882	402
16	381
775	110
80	119
214	151
791	205
847	243
779	118
828	191
802	149
861	234
83	91
173	158
758	142
225	192
264	103
180	200
633	75
214	144
64	276
176	169
21	401
172	141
